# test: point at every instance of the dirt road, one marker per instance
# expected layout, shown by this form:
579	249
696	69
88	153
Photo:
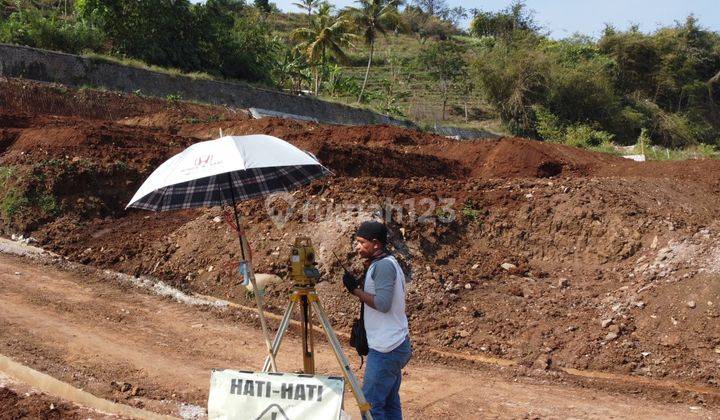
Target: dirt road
124	344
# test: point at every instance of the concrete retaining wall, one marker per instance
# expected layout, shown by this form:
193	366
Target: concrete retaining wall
76	71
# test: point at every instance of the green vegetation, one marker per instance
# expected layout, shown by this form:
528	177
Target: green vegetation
373	18
325	37
47	205
173	97
469	212
587	93
412	60
50	30
131	62
6	173
444	62
224	38
23	193
12	203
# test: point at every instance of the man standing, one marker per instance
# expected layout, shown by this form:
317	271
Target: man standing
383	296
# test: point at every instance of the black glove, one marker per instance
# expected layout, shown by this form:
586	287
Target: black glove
350	282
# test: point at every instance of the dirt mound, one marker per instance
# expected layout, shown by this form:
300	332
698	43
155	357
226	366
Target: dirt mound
355	161
517	248
487	158
70	138
512	157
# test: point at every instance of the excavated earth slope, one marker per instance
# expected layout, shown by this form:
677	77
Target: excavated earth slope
540	253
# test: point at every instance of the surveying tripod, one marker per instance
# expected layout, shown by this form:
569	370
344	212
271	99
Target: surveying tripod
304	275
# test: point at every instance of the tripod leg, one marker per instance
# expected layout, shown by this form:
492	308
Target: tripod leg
307	339
344	364
279	335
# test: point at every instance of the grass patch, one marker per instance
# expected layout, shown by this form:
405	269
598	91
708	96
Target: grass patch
702	151
173	97
6	173
606	147
12	204
48	205
131	62
469	212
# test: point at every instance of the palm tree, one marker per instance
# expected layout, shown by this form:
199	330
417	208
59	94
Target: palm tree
326	34
373	17
308	5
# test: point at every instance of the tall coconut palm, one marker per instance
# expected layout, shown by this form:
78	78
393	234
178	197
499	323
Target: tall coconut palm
373	17
326	35
308	5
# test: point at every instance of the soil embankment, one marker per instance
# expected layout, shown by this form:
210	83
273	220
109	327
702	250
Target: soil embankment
143	351
539	253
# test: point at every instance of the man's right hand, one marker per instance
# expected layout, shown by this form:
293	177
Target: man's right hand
350	282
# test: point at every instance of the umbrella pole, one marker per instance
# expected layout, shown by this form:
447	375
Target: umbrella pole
256	291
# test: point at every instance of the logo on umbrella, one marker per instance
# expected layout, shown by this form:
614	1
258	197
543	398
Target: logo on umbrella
201	161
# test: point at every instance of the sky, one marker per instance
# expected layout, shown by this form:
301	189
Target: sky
562	18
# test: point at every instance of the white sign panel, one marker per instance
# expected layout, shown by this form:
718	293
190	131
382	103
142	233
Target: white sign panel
273	396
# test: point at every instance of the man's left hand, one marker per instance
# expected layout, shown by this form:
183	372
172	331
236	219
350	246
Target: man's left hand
350	282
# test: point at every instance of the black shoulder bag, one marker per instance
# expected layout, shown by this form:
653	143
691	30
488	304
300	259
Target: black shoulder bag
358	335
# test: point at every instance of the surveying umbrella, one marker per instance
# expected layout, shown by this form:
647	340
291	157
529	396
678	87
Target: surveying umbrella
225	171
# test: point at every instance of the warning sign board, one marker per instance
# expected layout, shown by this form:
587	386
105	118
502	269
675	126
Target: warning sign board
273	396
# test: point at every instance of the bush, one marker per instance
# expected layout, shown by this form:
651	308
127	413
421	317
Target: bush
426	25
251	53
665	128
469	212
513	78
34	29
547	125
551	128
708	150
584	136
226	39
583	92
48	206
513	20
336	83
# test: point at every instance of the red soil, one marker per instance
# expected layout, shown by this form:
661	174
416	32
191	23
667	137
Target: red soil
592	237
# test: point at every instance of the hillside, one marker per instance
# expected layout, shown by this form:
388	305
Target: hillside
396	85
624	88
517	249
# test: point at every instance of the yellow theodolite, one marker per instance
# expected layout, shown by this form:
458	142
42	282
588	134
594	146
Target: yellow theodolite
303	270
304	274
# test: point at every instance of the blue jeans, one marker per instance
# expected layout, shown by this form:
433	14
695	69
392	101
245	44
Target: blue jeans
381	385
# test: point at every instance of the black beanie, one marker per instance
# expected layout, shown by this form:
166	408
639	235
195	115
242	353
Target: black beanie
372	230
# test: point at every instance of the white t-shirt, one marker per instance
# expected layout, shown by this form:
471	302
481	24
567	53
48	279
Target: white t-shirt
386	330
